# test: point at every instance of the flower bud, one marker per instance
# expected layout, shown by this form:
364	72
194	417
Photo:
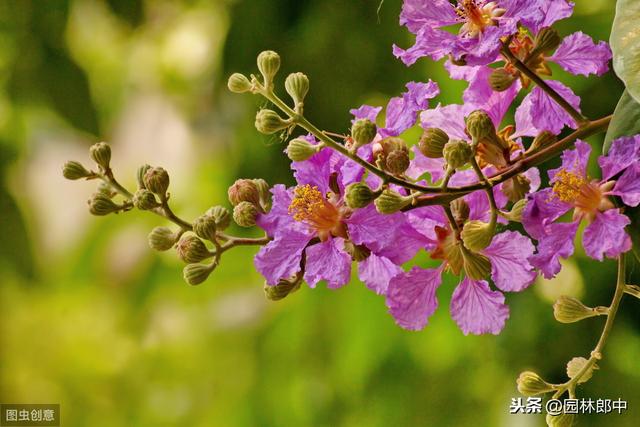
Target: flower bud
480	126
390	202
191	249
264	194
162	239
142	170
460	210
432	142
238	83
398	162
156	180
562	420
358	252
476	266
547	40
516	188
575	366
268	122
530	384
194	274
221	215
516	211
477	235
106	189
300	150
100	204
245	214
363	131
244	190
501	80
297	86
268	64
544	139
74	170
457	153
283	288
358	195
205	227
101	154
145	200
569	310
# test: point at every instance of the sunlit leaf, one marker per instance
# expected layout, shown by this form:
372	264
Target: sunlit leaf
625	43
625	122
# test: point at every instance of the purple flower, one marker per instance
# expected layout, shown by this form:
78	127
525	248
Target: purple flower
402	111
483	25
589	199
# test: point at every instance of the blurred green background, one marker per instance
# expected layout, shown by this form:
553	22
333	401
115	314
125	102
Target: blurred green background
92	319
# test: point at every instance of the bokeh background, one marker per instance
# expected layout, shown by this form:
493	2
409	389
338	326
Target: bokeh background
92	319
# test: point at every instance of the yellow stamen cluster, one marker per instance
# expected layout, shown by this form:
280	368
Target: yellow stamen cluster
306	201
311	207
568	186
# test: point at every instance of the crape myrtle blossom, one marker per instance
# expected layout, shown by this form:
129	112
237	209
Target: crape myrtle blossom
484	24
590	200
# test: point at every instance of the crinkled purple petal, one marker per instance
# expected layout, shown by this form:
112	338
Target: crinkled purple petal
541	210
417	14
606	235
365	112
533	175
280	258
484	49
376	272
421	164
477	309
351	171
623	152
509	253
578	54
425	219
328	261
278	218
405	244
628	186
402	112
556	244
411	297
449	118
552	11
367	226
574	161
538	112
316	170
430	42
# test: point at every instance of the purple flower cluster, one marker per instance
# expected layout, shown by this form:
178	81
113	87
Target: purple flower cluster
315	232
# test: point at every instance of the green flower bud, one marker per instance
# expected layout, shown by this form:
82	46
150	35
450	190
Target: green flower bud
398	162
194	274
269	122
562	420
283	288
205	227
156	180
142	170
100	204
477	235
191	249
530	384
358	252
569	310
245	214
460	210
547	40
74	170
544	139
238	83
264	193
268	64
300	150
457	153
480	126
575	366
297	86
358	195
516	188
145	200
476	266
101	154
390	202
516	211
432	142
501	80
162	239
221	215
244	190
363	131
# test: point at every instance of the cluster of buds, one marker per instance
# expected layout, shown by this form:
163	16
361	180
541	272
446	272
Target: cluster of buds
392	155
249	197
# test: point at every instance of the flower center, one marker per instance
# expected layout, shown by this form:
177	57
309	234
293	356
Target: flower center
588	197
522	47
312	208
478	15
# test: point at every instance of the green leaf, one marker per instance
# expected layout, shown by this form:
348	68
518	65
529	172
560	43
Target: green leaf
625	44
625	121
